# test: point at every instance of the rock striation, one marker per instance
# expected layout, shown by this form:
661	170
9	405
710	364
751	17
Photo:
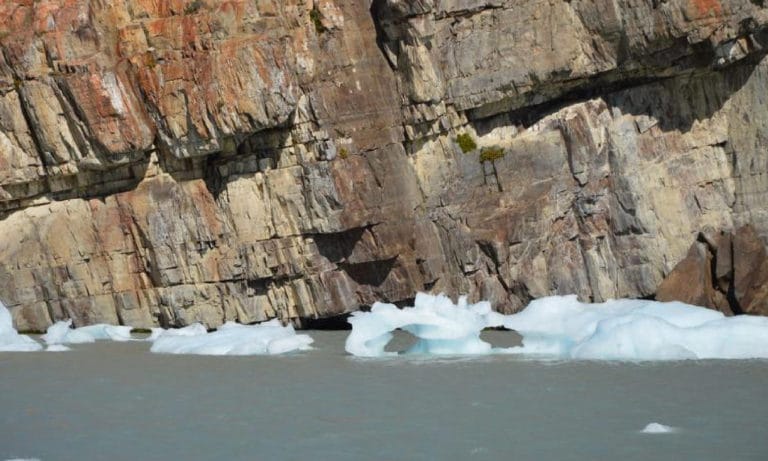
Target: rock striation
176	161
727	271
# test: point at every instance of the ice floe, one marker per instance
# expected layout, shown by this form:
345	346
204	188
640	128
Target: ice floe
657	428
62	333
10	339
562	327
440	326
267	338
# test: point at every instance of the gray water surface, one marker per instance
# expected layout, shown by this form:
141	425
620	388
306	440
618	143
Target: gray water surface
116	401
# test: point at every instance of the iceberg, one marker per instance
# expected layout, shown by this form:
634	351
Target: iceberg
62	333
561	327
440	326
10	339
657	428
635	330
267	338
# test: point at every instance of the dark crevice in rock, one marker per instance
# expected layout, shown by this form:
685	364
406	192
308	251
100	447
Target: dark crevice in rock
377	10
733	301
334	323
214	181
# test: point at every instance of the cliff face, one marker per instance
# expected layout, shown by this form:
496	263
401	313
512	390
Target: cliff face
171	161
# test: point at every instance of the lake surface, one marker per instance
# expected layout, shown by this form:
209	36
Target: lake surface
116	401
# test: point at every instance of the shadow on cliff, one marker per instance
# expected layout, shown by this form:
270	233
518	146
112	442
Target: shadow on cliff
678	103
379	14
675	102
368	268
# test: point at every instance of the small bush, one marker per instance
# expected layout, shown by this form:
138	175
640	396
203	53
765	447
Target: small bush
343	153
491	154
466	142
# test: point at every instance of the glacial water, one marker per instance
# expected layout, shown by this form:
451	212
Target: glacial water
117	401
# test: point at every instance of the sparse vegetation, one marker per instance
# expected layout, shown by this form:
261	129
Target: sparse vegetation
193	7
491	154
343	153
317	19
466	142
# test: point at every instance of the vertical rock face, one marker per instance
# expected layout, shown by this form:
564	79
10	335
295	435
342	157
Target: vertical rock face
166	162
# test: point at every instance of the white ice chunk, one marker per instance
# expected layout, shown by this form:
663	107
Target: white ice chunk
440	326
62	333
231	339
102	331
57	348
657	428
196	329
563	327
156	332
10	339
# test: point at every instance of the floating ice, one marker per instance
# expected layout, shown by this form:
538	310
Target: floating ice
563	327
10	339
102	331
57	348
231	339
440	326
196	329
656	428
61	333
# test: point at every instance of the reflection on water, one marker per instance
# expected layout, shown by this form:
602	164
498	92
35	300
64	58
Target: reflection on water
119	402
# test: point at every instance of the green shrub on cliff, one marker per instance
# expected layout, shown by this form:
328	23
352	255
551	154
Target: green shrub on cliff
491	154
466	142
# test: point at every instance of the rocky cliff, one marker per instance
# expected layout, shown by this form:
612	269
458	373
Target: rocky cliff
172	161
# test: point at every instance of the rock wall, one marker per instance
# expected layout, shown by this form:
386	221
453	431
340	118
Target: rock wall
171	161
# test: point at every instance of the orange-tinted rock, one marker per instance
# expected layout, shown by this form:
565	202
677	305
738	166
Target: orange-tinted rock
724	271
750	271
691	281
